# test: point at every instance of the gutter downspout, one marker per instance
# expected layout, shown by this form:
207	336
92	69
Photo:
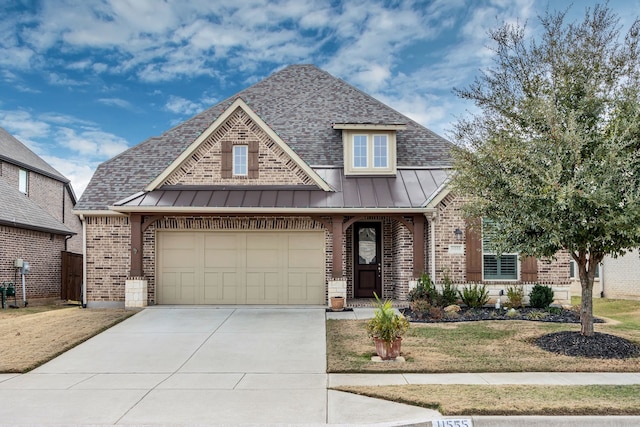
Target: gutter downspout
84	261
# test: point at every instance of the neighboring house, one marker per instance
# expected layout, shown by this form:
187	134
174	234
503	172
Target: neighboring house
36	219
298	188
617	278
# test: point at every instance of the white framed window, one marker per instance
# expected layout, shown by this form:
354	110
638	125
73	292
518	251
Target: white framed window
240	160
380	151
369	153
360	151
23	181
496	266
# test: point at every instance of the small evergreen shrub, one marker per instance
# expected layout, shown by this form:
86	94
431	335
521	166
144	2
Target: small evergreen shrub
449	293
541	296
516	296
512	312
474	296
425	290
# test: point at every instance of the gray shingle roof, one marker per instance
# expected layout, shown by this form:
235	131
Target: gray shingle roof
300	103
14	151
17	210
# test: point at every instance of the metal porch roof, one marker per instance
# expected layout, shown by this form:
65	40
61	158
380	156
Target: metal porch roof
409	189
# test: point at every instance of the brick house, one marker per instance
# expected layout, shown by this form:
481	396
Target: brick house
297	188
36	219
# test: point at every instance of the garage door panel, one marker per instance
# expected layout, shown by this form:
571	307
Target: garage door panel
241	267
221	288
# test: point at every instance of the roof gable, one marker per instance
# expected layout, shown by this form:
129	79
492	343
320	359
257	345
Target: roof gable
201	162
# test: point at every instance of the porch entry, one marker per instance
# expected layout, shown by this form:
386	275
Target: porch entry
367	262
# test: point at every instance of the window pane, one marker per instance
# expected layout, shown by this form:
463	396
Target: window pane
367	246
360	151
508	267
490	266
22	181
240	159
380	152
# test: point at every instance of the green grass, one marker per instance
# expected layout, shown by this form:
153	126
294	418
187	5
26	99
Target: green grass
494	346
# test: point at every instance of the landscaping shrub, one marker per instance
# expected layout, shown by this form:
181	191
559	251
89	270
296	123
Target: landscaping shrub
436	313
474	296
541	296
516	296
449	293
536	315
420	308
554	310
425	290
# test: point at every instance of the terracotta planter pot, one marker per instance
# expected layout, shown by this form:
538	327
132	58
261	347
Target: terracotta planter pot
337	303
388	350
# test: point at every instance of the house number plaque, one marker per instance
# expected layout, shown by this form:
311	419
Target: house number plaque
453	422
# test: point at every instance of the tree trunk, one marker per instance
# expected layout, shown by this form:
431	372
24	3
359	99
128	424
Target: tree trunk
587	272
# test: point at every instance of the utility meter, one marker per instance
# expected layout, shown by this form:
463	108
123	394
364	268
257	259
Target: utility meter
25	267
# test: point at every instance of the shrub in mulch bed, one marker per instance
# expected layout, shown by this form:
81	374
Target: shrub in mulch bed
599	346
476	314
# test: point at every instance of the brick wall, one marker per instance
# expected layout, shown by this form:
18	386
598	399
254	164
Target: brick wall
402	255
204	166
71	220
42	251
449	217
108	257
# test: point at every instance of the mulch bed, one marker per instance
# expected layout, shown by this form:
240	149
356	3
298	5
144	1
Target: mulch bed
599	346
568	343
477	314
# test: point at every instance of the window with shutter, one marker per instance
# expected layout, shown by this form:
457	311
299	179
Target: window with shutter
496	266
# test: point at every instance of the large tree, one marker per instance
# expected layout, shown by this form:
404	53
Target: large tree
551	156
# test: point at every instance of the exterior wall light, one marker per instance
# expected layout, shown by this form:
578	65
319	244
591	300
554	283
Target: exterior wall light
458	234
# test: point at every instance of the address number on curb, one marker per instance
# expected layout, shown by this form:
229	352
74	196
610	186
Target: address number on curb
453	423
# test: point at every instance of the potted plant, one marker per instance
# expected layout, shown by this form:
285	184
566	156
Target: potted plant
337	303
386	328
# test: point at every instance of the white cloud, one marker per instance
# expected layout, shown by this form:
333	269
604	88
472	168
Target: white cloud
182	106
91	142
117	102
77	170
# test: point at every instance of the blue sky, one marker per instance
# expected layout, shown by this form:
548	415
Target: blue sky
83	80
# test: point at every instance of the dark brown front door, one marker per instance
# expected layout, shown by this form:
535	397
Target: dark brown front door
367	262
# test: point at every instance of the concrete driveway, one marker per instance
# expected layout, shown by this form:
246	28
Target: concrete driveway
195	365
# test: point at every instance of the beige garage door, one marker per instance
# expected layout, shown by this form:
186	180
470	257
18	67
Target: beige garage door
240	267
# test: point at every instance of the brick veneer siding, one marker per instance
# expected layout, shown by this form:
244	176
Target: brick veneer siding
204	166
449	217
108	258
402	255
42	251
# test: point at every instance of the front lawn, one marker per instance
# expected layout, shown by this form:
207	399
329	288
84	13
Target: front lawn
494	346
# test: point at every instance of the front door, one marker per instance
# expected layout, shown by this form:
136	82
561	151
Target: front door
367	262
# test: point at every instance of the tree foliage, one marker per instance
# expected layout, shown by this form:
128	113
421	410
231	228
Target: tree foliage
552	156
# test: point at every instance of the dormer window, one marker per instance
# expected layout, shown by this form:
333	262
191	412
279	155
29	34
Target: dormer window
369	149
